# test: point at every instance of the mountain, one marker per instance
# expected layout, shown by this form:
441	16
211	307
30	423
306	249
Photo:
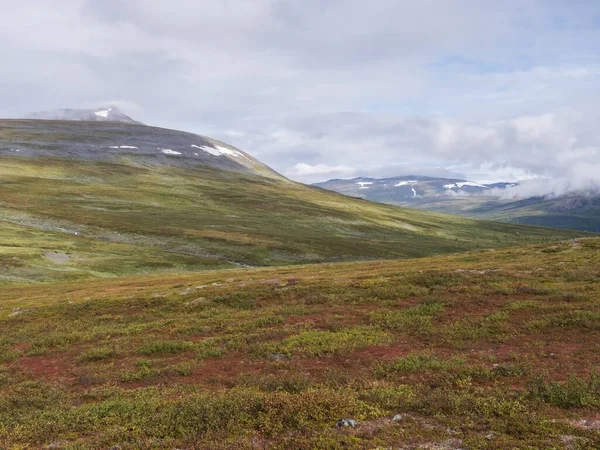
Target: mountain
577	211
124	143
407	189
100	199
106	114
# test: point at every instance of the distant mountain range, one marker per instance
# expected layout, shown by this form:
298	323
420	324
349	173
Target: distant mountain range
579	211
412	188
106	114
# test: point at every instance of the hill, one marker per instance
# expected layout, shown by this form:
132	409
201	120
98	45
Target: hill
83	199
491	349
576	211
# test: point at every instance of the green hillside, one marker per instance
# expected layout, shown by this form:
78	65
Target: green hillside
67	218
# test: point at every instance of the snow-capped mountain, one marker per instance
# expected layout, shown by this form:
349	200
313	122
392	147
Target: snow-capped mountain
409	188
579	211
106	114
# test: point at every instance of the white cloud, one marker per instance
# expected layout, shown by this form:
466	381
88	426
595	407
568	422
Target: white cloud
582	177
460	88
318	171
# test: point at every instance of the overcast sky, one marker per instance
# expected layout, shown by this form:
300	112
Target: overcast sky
318	89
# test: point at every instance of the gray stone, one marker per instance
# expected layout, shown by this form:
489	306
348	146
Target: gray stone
346	423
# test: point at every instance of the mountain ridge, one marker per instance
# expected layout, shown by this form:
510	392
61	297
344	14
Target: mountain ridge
577	210
114	141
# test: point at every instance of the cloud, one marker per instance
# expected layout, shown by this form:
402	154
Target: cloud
580	178
318	171
549	145
315	88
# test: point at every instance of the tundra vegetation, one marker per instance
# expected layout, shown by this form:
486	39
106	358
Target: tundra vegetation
486	349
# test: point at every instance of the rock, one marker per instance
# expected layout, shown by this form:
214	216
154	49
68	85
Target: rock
195	302
397	418
15	312
18	312
277	356
346	423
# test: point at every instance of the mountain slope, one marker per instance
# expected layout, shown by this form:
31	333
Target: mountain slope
73	207
122	143
577	211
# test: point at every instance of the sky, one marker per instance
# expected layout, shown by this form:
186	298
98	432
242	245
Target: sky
318	89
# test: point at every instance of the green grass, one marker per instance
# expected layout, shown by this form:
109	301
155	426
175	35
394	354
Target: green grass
321	343
575	392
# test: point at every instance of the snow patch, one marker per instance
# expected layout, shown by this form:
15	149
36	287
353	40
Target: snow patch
168	151
406	183
123	146
470	183
213	151
364	183
460	184
218	150
414	192
103	112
